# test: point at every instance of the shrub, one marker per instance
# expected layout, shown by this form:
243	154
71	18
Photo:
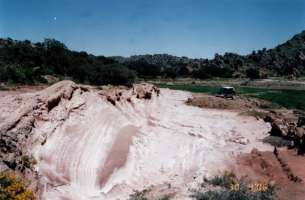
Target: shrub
201	74
14	188
226	180
142	195
252	73
115	74
228	187
139	195
18	74
28	161
145	69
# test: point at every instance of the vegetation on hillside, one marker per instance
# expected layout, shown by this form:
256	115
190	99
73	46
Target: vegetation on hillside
27	62
287	59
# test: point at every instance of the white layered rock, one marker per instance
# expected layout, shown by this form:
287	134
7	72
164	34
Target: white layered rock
87	147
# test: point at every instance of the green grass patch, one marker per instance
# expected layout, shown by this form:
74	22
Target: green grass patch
292	99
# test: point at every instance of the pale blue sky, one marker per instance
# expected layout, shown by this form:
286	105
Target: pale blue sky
191	28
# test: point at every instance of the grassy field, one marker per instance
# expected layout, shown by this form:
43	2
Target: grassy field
293	99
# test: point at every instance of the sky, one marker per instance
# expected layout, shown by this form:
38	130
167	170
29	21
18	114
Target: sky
193	28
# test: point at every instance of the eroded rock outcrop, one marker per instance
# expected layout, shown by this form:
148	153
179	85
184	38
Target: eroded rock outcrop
121	93
16	130
104	142
290	128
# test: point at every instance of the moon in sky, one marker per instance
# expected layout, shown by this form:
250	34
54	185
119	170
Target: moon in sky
55	18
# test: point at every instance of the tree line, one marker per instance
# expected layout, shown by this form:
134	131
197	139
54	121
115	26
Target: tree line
27	62
287	59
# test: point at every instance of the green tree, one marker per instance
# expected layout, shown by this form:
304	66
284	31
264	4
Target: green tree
253	73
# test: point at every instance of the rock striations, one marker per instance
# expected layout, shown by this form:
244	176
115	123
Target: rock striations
82	142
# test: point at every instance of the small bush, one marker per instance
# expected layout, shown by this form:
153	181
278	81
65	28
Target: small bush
252	73
28	161
226	180
13	188
228	187
139	195
142	195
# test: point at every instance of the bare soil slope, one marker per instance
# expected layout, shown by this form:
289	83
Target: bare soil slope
284	169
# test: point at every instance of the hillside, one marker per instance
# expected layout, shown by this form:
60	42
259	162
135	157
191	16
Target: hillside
287	59
27	62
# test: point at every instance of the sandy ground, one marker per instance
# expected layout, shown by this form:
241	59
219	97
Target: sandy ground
238	104
88	148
